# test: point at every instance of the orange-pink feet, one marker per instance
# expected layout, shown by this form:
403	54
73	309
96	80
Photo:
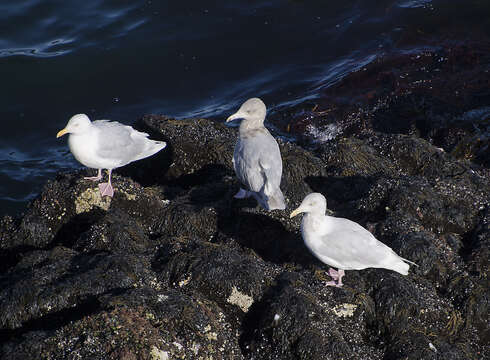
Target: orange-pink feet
336	276
106	189
95	178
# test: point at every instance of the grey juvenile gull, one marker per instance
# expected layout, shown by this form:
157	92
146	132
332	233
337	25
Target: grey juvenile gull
257	159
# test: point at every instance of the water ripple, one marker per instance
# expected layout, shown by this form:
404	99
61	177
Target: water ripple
121	59
23	173
51	48
57	28
415	4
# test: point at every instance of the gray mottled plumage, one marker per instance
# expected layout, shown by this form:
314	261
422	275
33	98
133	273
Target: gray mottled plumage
257	159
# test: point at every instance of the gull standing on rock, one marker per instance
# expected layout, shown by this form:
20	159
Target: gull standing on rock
105	144
257	159
342	243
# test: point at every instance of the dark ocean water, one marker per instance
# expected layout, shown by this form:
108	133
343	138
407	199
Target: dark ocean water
121	59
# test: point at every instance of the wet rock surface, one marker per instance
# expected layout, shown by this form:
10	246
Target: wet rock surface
174	267
439	94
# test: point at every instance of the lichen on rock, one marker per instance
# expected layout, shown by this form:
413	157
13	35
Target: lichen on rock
243	301
89	199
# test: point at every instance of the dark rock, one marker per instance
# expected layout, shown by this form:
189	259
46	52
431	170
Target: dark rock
196	148
296	320
224	273
42	285
140	323
440	95
174	267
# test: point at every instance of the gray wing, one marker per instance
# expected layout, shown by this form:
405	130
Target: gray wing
257	161
271	164
117	141
351	245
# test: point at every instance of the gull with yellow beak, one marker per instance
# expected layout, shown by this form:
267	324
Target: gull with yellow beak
105	144
257	158
342	243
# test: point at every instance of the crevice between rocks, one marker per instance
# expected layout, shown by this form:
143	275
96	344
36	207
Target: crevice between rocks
54	320
252	319
11	257
470	239
70	232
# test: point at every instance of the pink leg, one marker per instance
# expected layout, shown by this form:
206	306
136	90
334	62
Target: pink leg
336	276
333	273
106	189
341	275
95	178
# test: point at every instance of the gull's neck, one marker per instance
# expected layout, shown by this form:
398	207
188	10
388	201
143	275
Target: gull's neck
251	124
314	221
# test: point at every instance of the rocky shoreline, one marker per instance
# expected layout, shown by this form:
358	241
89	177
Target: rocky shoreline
173	267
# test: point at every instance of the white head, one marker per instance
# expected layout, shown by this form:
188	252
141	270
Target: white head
252	111
314	203
78	124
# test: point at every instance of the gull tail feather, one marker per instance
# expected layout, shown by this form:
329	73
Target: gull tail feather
275	201
152	147
400	267
408	261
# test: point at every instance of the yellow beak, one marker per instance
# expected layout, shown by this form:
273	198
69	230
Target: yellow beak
61	133
295	212
236	115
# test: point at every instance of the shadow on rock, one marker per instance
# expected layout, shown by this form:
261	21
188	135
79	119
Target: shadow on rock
206	174
340	190
70	232
54	320
266	236
115	232
151	171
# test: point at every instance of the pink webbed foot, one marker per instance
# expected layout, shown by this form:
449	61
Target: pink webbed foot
242	194
95	178
334	283
336	276
106	189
